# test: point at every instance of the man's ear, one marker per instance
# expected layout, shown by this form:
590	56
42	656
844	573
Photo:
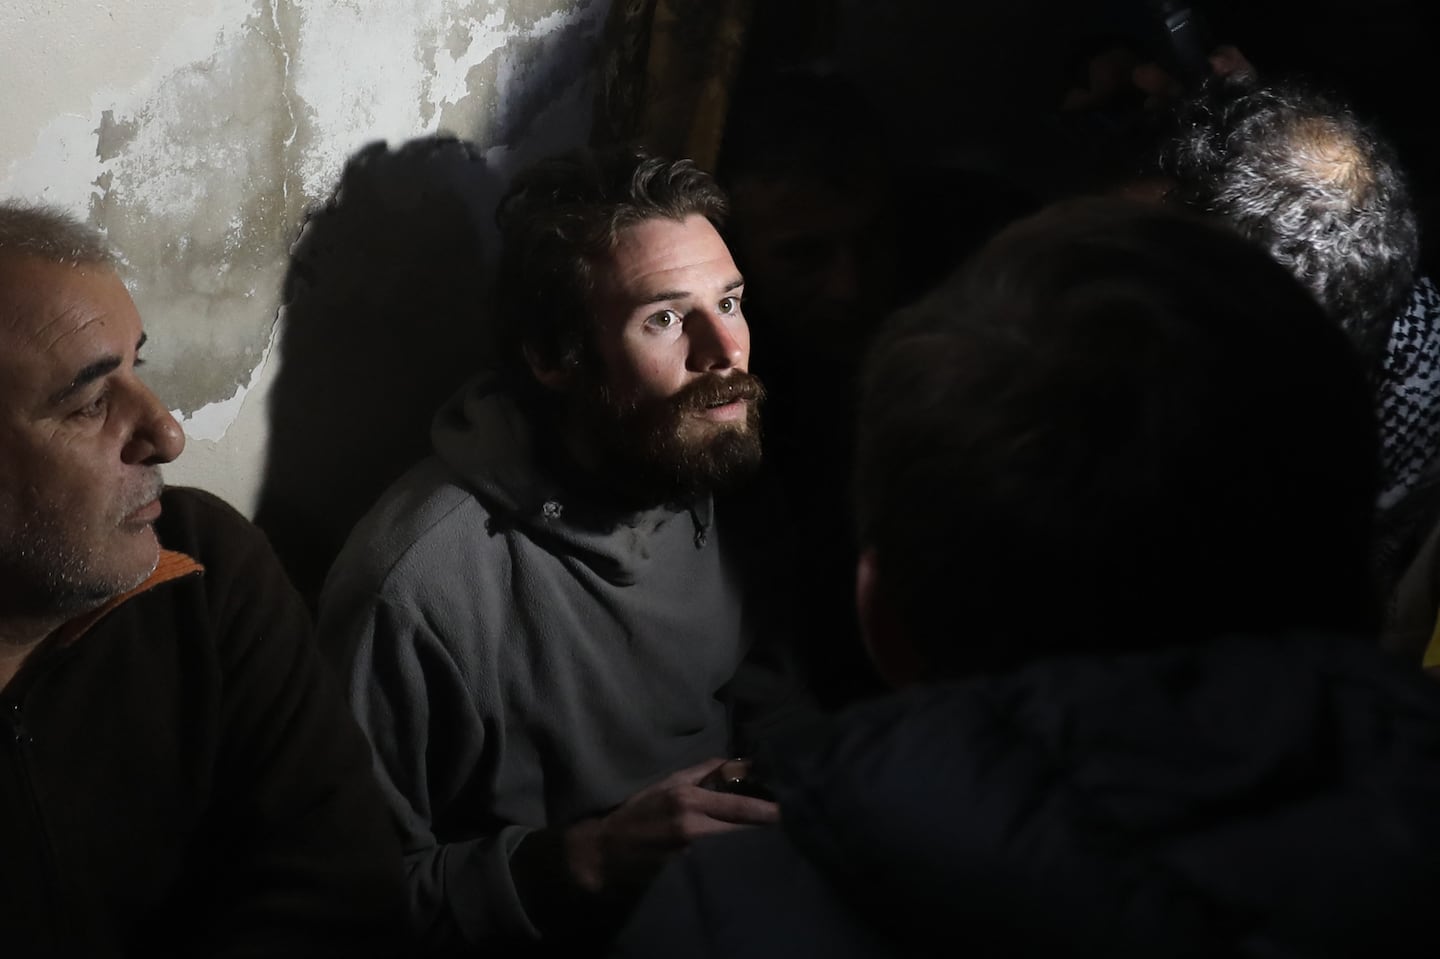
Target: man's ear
553	376
882	627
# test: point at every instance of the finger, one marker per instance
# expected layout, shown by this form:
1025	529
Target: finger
734	808
689	776
698	827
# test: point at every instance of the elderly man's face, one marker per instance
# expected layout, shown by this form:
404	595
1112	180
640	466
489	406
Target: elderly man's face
81	439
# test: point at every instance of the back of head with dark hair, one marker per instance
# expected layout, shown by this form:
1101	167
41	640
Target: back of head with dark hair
1301	174
557	218
1118	426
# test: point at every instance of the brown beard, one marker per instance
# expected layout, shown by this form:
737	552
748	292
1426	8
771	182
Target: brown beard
657	450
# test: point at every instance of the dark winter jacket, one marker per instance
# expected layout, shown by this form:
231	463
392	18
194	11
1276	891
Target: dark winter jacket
180	776
1260	798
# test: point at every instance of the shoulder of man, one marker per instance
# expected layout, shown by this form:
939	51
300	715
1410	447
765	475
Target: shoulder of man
234	553
421	516
420	555
219	587
332	877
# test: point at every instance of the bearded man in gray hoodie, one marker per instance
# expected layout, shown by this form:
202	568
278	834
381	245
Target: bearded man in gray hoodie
546	626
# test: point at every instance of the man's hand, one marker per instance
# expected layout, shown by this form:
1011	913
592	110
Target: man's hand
625	848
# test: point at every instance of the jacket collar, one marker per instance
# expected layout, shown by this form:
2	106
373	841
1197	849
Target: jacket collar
171	566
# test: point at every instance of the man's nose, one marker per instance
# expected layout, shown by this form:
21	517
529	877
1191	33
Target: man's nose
156	437
716	341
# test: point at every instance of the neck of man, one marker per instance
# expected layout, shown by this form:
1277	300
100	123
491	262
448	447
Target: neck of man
579	460
577	454
582	464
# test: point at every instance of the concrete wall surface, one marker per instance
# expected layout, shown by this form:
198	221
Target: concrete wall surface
202	134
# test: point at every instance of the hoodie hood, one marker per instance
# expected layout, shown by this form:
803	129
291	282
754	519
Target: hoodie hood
1216	800
483	436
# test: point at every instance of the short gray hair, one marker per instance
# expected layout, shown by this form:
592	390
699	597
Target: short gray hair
1301	174
34	229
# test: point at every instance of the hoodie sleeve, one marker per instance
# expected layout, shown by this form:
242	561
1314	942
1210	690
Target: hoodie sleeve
429	738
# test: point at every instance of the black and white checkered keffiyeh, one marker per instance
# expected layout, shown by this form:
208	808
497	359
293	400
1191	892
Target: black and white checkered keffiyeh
1407	403
1408	397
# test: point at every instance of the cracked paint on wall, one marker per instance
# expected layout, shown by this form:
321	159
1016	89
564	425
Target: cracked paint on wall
198	134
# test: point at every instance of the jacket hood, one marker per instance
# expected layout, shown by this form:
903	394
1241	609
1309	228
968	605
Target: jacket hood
1199	801
483	436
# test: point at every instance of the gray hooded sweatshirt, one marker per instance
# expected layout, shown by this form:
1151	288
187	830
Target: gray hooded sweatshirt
517	664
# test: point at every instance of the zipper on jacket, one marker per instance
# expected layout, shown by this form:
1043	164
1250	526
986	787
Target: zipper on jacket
21	736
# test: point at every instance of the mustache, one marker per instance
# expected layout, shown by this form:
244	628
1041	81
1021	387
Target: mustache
145	494
716	389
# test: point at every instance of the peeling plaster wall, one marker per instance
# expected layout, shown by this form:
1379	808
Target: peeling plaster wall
198	133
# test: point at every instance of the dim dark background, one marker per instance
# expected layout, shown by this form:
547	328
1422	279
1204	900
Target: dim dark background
388	286
974	86
956	106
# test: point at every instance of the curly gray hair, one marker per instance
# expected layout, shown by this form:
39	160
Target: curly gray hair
1298	172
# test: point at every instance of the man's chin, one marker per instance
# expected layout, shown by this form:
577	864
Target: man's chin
724	458
127	568
91	589
698	434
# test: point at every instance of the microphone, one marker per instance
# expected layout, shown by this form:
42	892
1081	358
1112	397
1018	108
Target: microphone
1186	40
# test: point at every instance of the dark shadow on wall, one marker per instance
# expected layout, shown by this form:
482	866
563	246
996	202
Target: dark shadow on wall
383	320
386	300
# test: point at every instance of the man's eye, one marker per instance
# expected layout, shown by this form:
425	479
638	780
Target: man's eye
663	320
94	408
731	304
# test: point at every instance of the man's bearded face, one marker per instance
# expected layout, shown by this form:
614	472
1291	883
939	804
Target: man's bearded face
664	391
